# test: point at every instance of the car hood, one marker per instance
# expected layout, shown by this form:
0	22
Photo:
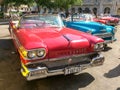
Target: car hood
94	27
109	18
53	39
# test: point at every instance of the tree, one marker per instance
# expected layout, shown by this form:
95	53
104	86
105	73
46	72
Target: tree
56	3
65	4
43	3
16	3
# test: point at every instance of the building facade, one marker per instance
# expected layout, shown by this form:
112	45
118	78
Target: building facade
89	6
98	7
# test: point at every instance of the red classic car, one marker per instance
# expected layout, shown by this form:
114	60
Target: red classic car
46	47
109	20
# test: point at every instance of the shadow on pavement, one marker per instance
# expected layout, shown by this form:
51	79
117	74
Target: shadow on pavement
14	81
8	59
61	82
113	73
9	65
118	89
107	49
6	44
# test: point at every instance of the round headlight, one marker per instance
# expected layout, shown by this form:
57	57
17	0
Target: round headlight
40	53
31	54
115	30
99	46
96	46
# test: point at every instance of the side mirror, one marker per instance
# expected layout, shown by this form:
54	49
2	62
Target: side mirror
15	24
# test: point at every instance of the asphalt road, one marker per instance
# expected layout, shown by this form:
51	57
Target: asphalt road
105	77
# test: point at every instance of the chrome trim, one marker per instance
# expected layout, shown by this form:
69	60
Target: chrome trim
115	30
109	41
111	23
29	59
103	30
100	60
99	48
103	35
37	57
57	59
43	72
34	62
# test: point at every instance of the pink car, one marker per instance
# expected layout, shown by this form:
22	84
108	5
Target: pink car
109	20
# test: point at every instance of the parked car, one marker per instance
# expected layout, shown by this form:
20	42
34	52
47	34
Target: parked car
108	20
85	23
117	16
47	48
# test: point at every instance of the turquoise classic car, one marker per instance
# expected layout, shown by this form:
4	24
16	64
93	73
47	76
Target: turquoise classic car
101	30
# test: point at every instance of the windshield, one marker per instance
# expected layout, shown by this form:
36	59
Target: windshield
40	21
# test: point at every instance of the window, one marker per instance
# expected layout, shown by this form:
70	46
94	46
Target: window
79	10
95	10
109	0
107	10
86	1
87	10
73	10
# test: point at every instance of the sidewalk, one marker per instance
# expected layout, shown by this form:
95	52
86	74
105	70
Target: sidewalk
4	21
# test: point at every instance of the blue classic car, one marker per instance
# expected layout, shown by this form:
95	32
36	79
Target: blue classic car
103	31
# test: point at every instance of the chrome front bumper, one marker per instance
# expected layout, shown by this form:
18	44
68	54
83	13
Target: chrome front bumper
112	23
106	35
43	72
103	35
109	41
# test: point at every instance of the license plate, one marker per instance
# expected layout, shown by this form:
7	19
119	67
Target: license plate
70	70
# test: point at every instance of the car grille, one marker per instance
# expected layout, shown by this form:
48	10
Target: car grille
69	52
103	31
111	21
64	62
104	35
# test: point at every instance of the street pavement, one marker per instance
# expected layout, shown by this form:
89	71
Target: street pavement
105	77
